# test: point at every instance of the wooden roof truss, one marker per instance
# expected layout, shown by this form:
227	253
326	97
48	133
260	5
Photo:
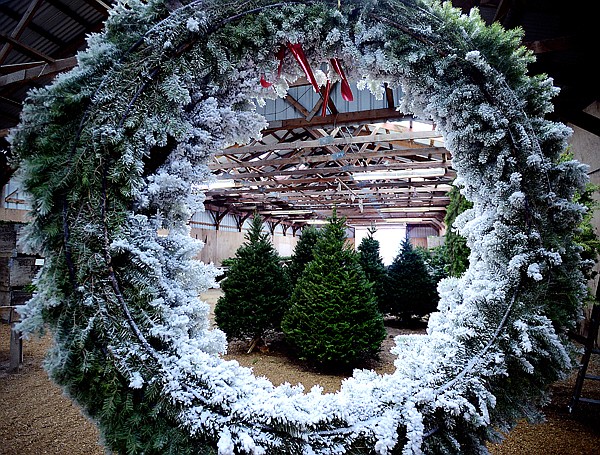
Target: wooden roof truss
304	168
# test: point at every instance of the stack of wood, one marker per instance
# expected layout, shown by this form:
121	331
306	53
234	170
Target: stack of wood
17	271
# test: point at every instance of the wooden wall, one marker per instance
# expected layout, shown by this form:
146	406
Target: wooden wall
586	148
221	245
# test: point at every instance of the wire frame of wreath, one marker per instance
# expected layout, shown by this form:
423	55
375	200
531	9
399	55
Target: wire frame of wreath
112	151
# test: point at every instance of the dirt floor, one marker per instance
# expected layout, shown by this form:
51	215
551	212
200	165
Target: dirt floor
35	418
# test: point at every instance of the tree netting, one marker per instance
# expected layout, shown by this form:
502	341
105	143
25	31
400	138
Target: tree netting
113	151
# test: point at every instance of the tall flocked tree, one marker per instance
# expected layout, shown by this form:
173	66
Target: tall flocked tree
410	288
256	290
333	320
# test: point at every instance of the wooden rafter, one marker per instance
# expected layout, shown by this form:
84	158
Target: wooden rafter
429	188
33	26
99	6
25	49
374	115
311	168
270	182
429	152
37	71
20	28
328	140
336	170
389	96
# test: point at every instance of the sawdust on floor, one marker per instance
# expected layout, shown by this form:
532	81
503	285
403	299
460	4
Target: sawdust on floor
36	418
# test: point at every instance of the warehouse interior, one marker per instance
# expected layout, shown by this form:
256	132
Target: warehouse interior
374	164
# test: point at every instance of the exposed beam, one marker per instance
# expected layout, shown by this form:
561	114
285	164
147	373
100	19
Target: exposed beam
46	69
369	206
375	115
337	170
313	159
325	196
14	67
446	180
303	192
25	49
398	198
389	96
371	209
99	6
33	27
235	211
583	120
7	100
296	105
20	27
329	140
502	12
350	211
70	13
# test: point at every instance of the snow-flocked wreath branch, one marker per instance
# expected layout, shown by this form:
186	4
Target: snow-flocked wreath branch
111	152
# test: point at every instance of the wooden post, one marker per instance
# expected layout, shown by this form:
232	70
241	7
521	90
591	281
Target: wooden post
16	349
16	341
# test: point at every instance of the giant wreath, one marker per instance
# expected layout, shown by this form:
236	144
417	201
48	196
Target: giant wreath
111	151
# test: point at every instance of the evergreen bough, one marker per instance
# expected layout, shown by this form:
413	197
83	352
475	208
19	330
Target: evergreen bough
333	320
457	250
256	290
303	253
372	264
410	288
436	261
110	154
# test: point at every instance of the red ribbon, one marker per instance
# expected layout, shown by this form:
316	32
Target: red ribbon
280	56
298	53
346	90
325	99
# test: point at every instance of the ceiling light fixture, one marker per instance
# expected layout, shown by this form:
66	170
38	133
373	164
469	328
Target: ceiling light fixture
412	209
286	212
218	184
408	220
401	174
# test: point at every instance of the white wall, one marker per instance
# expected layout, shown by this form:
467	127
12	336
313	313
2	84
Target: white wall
389	238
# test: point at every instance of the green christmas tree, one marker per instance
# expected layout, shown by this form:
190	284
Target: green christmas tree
436	261
256	290
457	250
410	288
372	264
333	320
303	253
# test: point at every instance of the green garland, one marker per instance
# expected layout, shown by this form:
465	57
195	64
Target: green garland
110	154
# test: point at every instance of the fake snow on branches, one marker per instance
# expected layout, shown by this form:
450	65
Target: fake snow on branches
111	153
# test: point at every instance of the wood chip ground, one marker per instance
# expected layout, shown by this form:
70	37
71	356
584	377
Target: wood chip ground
36	418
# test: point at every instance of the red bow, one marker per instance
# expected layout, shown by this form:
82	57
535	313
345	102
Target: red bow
298	53
280	56
325	99
346	90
